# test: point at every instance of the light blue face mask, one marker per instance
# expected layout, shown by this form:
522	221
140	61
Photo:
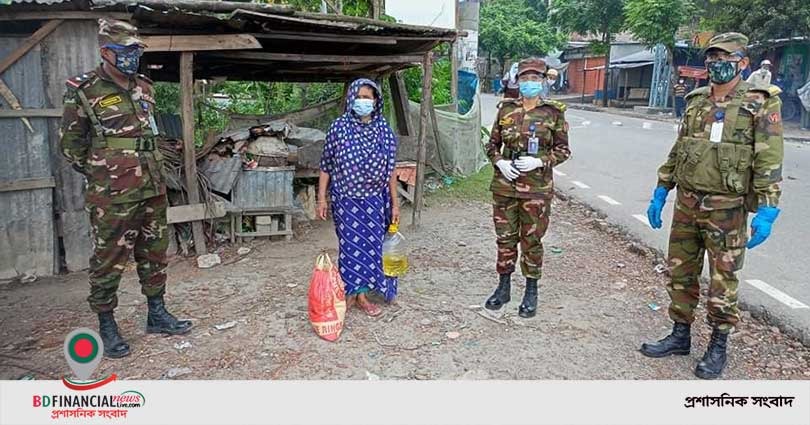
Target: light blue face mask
530	89
363	107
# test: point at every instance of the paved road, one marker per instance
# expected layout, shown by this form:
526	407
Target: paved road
613	169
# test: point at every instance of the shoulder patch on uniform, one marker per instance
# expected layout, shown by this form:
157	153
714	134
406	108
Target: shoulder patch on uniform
770	91
556	104
79	80
774	117
700	91
505	102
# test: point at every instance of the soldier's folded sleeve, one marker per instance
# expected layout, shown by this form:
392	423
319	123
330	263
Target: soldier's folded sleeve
768	153
74	132
560	150
493	147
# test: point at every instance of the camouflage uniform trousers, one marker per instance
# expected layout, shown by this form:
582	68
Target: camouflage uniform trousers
121	229
723	234
523	221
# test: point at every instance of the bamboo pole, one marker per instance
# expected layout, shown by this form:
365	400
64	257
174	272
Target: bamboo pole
424	116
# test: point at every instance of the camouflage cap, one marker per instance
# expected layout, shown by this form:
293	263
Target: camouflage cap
532	64
118	32
729	42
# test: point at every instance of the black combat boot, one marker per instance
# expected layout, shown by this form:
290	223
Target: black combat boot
161	321
502	295
528	307
713	362
114	346
678	342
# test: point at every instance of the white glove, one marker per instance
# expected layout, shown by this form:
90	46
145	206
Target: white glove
528	163
507	169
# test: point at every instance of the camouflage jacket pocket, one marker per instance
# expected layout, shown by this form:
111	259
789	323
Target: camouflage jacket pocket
118	176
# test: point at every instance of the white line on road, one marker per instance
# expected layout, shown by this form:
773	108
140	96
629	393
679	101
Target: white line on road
559	173
580	184
609	200
779	295
642	218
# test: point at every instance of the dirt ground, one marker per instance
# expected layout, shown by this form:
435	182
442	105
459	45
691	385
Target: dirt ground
594	312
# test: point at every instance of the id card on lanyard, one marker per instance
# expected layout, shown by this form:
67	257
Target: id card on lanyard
534	142
716	135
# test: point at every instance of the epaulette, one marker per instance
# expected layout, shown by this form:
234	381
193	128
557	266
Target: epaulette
145	78
560	106
700	91
80	80
771	90
515	102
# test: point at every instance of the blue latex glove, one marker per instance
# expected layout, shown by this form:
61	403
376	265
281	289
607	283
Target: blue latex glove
656	206
761	225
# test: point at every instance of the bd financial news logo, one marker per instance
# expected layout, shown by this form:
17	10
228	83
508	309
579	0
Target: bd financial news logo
83	351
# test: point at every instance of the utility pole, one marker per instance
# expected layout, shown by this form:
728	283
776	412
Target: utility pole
377	8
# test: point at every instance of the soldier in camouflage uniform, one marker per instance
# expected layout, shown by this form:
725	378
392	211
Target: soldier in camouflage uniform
109	136
726	162
529	138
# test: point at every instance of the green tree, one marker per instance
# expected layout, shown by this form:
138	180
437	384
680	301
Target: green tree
598	18
760	20
511	29
656	22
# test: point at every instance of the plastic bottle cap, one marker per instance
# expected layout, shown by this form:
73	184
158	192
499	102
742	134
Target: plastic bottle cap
393	228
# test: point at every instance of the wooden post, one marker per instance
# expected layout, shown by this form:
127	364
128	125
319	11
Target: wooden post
435	126
189	160
399	97
455	50
626	94
424	116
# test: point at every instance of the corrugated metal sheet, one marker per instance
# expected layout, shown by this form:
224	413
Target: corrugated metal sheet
264	188
169	125
71	49
34	1
26	224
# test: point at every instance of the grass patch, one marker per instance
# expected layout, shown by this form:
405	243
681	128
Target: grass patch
474	187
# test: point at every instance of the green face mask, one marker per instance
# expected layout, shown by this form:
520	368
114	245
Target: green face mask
721	72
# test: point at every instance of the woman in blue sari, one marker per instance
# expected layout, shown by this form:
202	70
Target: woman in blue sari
357	169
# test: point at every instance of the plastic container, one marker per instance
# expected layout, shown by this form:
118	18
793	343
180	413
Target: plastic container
395	261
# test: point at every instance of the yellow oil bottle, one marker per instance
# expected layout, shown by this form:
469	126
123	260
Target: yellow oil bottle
395	261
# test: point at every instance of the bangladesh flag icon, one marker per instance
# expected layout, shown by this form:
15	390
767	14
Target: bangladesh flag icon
83	349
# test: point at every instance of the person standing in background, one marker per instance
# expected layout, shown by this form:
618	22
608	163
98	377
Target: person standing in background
804	97
680	90
510	83
762	77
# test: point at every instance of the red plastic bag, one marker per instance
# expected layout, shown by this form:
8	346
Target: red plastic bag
327	299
